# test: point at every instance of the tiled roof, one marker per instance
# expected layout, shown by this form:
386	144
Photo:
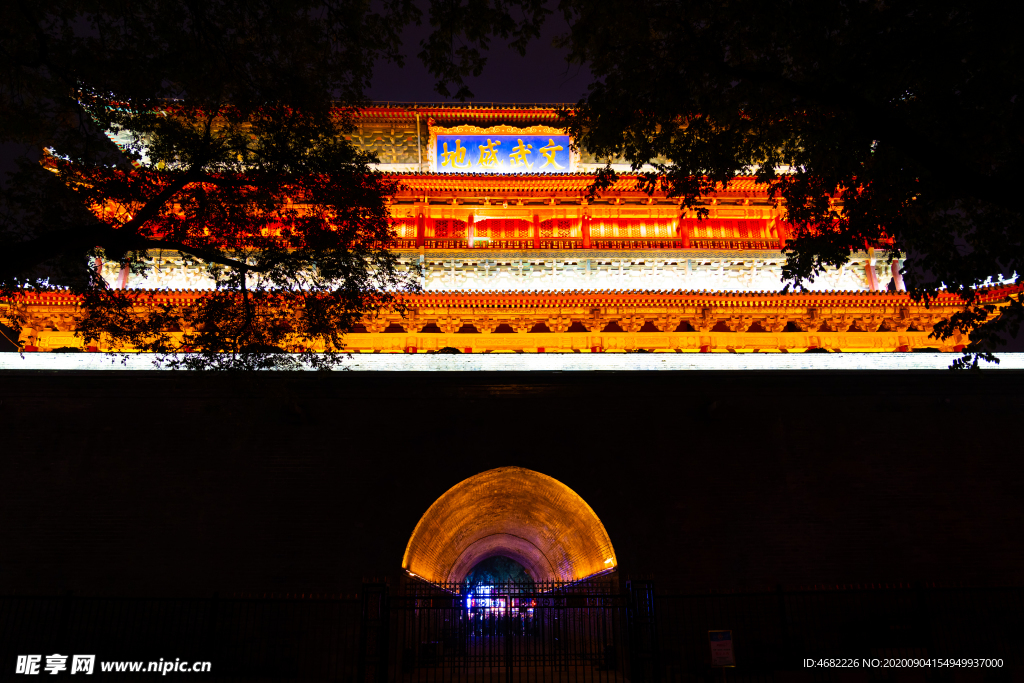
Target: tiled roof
576	183
522	299
405	113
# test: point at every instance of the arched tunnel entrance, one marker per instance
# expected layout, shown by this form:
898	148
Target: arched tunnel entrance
515	513
511	578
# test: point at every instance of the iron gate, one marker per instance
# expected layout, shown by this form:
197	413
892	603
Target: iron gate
586	632
602	635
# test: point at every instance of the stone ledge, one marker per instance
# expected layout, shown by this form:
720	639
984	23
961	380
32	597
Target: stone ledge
554	362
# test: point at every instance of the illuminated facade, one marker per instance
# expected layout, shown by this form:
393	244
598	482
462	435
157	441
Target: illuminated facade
492	205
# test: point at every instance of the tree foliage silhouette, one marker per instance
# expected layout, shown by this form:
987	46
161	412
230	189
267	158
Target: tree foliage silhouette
231	119
894	125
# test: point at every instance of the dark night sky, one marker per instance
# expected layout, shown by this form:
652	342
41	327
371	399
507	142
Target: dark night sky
541	76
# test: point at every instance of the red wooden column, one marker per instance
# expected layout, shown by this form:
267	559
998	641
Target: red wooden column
585	230
897	276
780	228
869	270
122	278
684	232
536	231
470	230
421	230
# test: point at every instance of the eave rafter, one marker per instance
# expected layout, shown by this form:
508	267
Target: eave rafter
592	320
570	184
405	113
753	300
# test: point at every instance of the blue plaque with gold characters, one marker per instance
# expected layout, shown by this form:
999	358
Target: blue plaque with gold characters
501	153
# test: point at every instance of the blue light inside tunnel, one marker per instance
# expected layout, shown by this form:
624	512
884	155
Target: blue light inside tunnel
484	600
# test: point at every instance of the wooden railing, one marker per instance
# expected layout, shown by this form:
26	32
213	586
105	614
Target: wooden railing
446	243
600	243
733	243
561	243
642	243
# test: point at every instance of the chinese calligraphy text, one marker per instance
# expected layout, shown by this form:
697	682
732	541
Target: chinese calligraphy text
483	153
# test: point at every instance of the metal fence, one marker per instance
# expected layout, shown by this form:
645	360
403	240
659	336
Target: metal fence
508	633
597	632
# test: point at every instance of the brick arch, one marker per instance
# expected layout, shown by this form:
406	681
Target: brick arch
513	512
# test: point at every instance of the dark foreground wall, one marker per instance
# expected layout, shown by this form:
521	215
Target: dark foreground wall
171	484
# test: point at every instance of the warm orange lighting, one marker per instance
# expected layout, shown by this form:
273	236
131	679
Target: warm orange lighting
512	512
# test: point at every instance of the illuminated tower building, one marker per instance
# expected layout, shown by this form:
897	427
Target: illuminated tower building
493	205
